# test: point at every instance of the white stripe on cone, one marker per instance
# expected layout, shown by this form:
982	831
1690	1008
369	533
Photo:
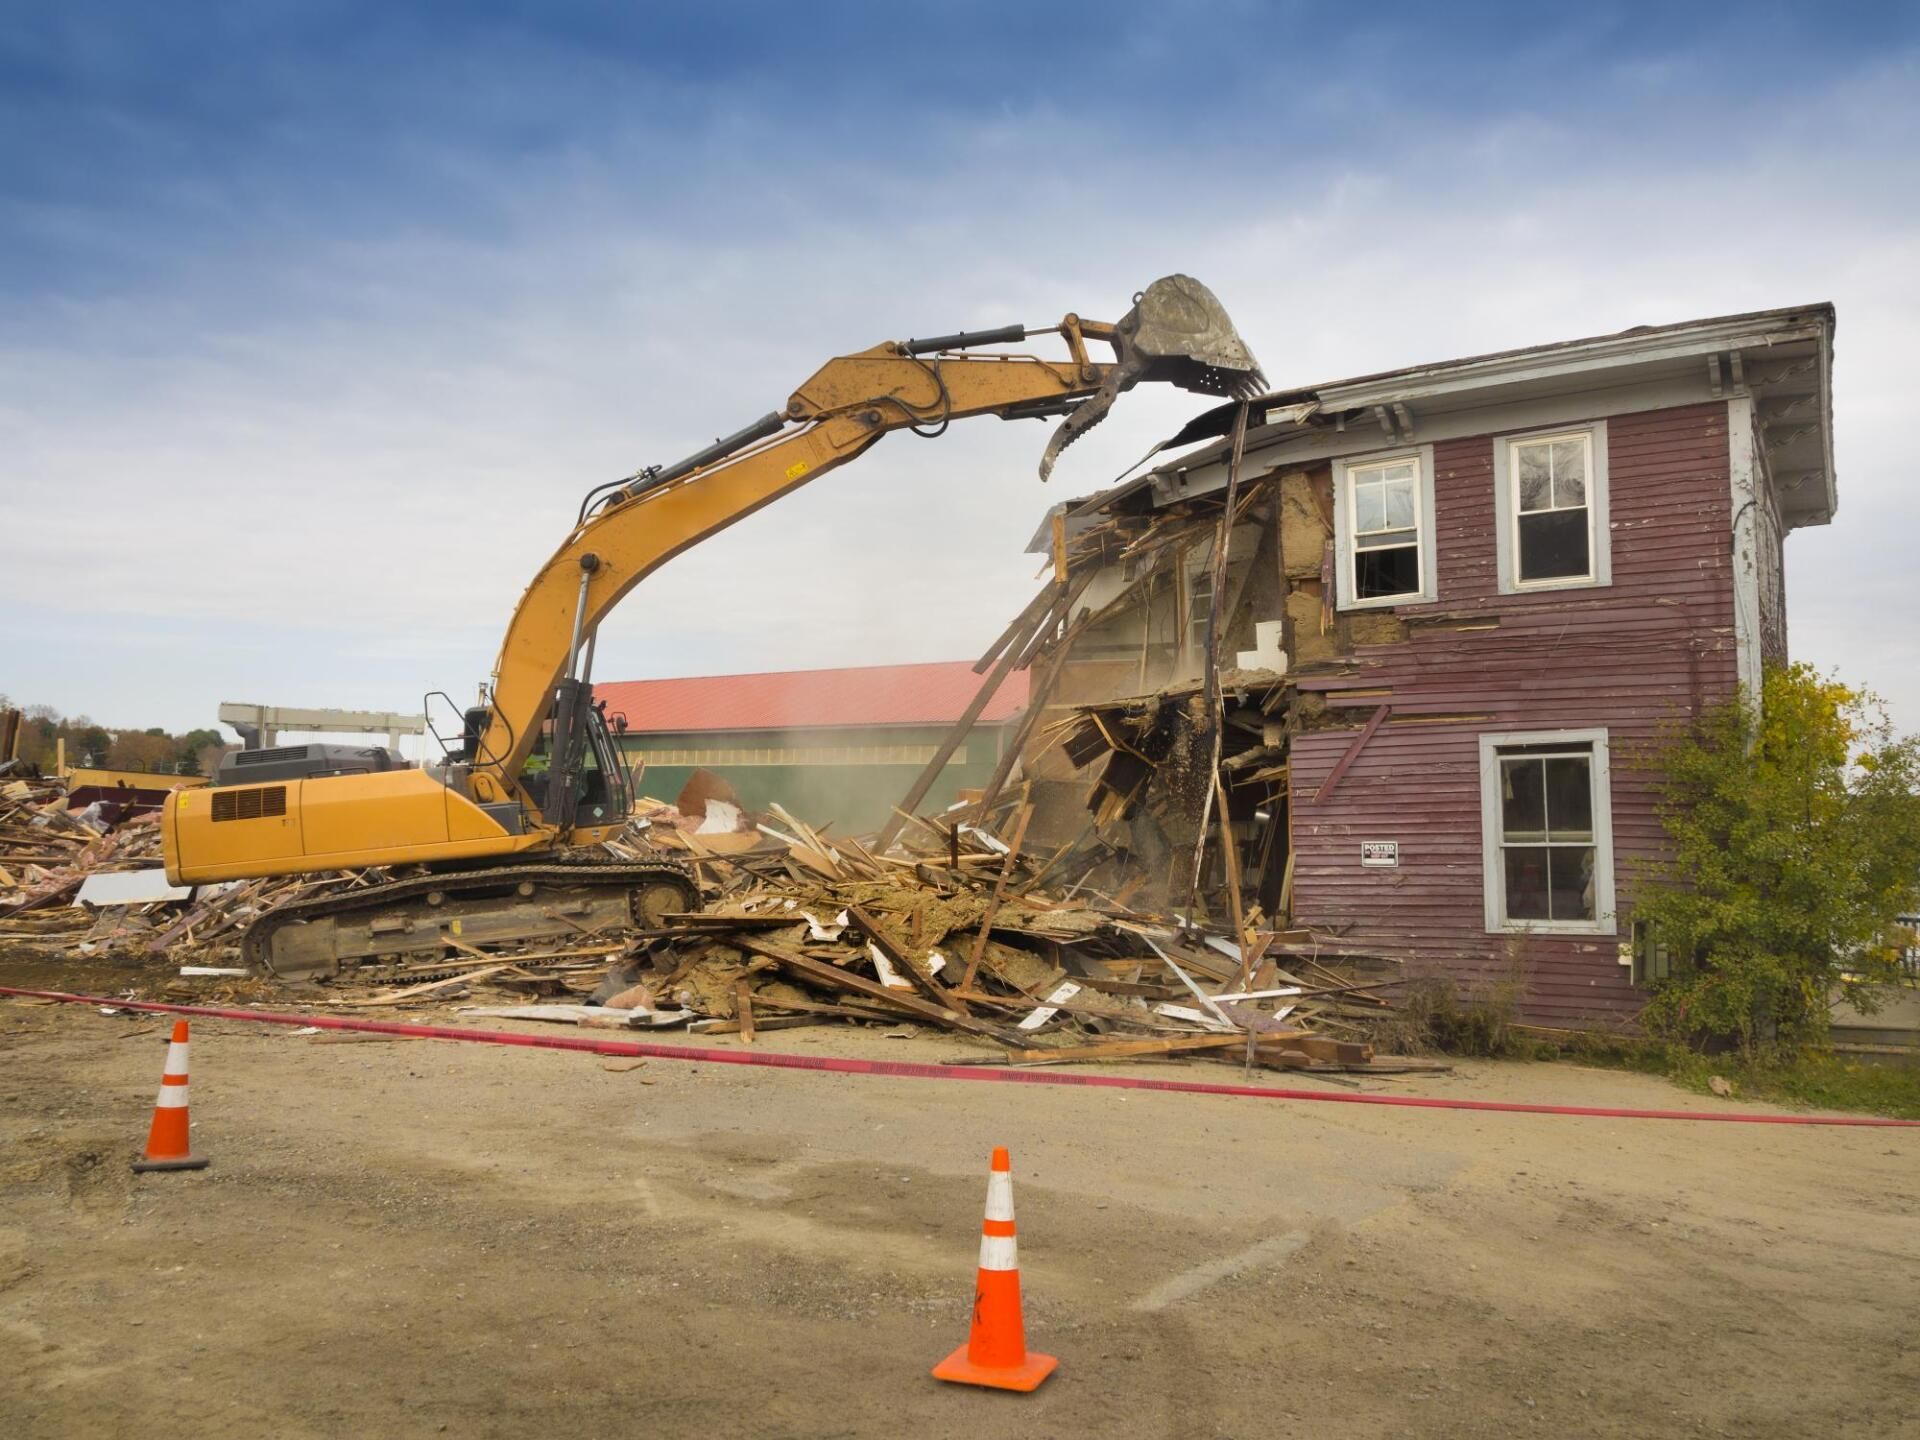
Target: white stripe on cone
999	1252
172	1097
999	1195
176	1059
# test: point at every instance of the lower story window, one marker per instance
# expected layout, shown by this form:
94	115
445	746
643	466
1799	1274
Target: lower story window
1547	832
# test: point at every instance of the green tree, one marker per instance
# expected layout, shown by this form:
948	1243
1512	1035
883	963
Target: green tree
1796	842
191	746
87	743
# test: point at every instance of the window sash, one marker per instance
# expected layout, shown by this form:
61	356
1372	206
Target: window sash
1548	848
1401	475
1556	847
1519	513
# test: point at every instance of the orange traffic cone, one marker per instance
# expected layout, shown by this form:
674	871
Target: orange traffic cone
996	1351
168	1147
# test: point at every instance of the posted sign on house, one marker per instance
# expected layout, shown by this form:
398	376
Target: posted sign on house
1381	854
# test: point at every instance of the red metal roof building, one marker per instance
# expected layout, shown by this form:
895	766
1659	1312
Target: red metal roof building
860	696
836	747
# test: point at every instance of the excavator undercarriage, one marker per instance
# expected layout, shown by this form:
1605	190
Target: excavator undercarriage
566	901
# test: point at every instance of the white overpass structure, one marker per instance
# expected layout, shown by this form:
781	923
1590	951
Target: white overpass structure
270	720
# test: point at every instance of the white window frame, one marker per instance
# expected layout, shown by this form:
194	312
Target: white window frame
1494	872
1421	457
1506	498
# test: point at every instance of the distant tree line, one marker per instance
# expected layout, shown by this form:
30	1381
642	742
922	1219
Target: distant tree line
89	743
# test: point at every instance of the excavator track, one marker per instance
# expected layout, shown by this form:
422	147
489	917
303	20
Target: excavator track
565	902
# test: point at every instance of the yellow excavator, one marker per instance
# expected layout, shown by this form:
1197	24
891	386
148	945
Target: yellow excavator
501	839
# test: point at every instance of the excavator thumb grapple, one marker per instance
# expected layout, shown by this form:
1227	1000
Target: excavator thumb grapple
1176	332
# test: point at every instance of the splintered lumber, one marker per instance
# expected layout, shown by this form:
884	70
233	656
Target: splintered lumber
1022	625
743	1003
832	978
1122	1049
961	729
1230	858
999	897
927	984
844	1010
765	1022
1037	696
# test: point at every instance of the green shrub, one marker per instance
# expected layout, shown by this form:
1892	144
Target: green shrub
1796	843
1432	1014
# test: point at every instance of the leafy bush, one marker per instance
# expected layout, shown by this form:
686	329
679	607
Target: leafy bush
1433	1015
1796	842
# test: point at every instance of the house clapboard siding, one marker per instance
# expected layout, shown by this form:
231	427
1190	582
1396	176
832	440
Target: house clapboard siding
1631	657
1354	717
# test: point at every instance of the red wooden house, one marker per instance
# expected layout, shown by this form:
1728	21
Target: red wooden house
1489	584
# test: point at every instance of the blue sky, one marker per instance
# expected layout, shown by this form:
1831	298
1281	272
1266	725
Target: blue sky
315	320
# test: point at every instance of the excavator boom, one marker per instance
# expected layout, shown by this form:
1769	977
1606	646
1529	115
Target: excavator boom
494	829
1176	333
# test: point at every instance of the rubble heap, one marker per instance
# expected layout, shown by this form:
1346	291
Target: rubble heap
952	928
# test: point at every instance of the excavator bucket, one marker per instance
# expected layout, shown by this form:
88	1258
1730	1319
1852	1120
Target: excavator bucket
1176	332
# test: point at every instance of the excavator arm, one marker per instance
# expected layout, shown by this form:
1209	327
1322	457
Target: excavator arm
1175	332
491	837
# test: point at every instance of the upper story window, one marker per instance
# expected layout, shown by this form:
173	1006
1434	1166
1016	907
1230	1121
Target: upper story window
1553	531
1550	494
1383	522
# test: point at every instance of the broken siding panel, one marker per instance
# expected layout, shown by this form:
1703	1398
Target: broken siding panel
1631	657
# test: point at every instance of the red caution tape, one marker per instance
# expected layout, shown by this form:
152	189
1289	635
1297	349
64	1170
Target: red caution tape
910	1070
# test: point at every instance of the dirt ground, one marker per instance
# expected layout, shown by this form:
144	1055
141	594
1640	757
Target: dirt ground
422	1237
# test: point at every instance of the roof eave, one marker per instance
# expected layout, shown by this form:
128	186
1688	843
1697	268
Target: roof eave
1538	369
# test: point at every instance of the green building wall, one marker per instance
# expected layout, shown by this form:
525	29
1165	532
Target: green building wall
850	778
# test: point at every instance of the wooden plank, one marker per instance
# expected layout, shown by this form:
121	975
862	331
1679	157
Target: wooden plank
1252	954
999	896
1352	753
743	1008
928	985
833	979
910	802
1121	1049
1230	857
844	1010
1021	627
764	1022
1323	1049
1037	696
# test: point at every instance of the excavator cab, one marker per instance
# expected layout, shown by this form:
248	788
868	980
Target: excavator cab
600	792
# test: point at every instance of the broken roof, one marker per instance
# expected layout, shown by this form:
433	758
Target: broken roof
1782	359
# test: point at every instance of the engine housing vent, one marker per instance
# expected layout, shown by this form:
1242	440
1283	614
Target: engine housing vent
268	757
258	802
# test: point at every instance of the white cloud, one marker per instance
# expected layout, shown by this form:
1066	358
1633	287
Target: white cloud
320	470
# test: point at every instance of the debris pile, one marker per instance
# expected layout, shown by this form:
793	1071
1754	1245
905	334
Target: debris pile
952	929
47	854
1187	640
76	882
46	851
